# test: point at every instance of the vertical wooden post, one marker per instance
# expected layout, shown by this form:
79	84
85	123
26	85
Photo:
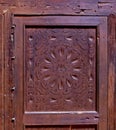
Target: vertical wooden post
111	71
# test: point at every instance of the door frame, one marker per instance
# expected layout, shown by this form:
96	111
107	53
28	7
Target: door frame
7	51
101	24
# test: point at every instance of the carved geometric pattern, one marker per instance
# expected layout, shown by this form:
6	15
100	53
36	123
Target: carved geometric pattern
60	72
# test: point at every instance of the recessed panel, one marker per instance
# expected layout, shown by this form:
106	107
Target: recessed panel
59	69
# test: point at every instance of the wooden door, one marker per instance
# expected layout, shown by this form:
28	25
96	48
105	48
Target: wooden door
60	73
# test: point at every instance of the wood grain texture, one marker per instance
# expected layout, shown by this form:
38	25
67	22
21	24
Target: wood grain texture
55	61
112	72
49	128
86	118
74	7
63	128
8	81
56	7
1	74
83	128
44	38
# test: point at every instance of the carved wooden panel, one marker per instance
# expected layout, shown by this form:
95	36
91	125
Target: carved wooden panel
61	72
60	69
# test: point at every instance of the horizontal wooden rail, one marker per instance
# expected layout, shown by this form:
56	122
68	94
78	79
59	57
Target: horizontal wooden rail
61	118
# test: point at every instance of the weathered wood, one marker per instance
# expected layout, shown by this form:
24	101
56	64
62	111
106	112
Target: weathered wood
1	74
111	71
61	119
8	80
73	7
11	70
37	49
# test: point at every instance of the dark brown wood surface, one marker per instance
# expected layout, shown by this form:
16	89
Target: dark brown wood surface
112	71
8	72
1	75
18	107
57	79
72	7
